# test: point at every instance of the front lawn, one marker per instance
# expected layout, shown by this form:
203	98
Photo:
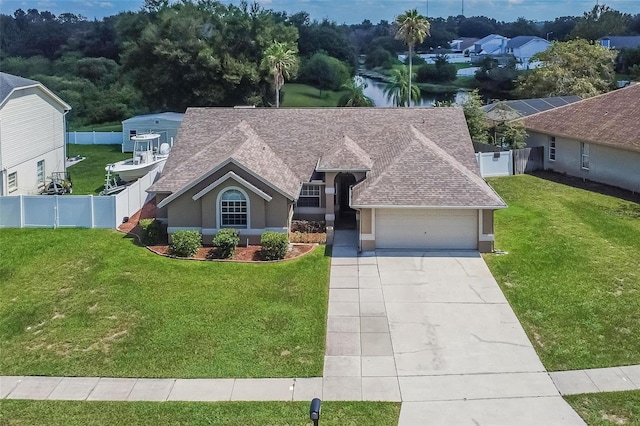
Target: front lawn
88	175
82	302
572	272
195	413
605	409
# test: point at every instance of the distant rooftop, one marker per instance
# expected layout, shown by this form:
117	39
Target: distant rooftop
526	107
519	41
621	42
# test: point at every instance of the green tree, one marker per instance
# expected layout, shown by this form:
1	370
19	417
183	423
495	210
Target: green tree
281	62
600	21
412	28
476	121
513	134
325	72
397	90
575	67
355	96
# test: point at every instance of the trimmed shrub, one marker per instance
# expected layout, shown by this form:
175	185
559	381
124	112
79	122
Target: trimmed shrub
185	243
227	240
151	231
308	226
274	245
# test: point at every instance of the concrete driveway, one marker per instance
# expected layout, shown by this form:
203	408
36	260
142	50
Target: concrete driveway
433	330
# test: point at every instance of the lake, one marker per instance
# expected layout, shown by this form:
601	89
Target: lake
375	91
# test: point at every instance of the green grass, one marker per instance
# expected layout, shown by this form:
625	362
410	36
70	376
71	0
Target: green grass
302	95
605	409
571	273
88	175
81	302
115	126
195	413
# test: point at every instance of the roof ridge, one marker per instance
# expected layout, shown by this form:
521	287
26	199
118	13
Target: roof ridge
473	177
379	174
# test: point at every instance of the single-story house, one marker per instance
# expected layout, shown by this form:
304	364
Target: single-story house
404	178
620	42
524	47
165	124
596	138
32	125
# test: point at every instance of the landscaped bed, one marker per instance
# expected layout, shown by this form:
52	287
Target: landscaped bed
571	273
195	413
80	302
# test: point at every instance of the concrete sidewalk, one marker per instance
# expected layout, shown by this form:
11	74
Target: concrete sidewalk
611	379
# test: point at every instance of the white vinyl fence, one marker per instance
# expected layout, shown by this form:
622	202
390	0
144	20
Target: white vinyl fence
94	138
75	211
495	163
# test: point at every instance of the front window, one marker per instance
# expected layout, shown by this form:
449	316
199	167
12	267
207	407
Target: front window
309	195
233	209
132	133
552	148
13	181
584	151
40	172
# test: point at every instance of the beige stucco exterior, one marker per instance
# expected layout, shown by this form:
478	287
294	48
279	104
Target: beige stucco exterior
608	165
202	214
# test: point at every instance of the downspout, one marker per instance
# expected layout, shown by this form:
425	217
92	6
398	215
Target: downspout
66	141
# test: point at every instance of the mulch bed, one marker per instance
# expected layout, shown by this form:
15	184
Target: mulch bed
242	254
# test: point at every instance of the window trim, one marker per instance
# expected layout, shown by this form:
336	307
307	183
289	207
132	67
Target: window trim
311	196
552	148
584	155
219	207
40	173
132	133
14	187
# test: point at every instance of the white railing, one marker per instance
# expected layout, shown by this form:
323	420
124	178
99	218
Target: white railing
75	211
94	138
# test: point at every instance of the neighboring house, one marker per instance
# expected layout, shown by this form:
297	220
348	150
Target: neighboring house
32	131
166	124
524	47
493	44
620	42
404	178
523	107
462	44
596	138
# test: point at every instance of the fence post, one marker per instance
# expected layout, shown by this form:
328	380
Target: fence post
511	162
21	211
479	158
91	210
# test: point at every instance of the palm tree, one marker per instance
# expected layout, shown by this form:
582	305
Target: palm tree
280	61
397	90
355	96
412	28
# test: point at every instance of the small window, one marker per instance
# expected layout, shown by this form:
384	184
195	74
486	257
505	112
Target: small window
552	148
584	151
132	133
13	181
40	172
233	209
309	195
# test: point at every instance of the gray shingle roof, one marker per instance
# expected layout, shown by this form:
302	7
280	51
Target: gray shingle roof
9	82
170	116
346	155
405	167
519	41
526	107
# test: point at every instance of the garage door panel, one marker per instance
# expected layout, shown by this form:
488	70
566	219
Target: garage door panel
426	229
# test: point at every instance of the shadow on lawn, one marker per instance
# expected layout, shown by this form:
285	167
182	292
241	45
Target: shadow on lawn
588	185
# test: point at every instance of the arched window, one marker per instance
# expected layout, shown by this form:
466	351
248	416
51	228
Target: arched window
233	209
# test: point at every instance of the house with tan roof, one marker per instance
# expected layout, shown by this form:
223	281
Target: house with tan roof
596	138
404	178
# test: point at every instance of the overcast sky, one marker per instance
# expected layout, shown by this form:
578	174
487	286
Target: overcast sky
355	11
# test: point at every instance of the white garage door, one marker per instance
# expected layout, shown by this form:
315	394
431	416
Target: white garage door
426	229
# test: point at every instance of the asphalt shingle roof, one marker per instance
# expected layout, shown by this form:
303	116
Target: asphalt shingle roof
419	156
9	82
609	119
519	41
346	155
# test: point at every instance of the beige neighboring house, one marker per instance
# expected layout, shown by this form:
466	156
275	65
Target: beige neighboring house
404	178
596	138
32	135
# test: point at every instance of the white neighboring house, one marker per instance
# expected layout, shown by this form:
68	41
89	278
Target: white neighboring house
166	124
493	44
524	47
32	131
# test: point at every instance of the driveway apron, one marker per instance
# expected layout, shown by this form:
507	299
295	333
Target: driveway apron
434	331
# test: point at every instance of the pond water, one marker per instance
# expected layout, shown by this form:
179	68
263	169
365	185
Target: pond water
375	91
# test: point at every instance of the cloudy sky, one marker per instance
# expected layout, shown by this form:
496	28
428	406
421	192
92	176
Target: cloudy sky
354	11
